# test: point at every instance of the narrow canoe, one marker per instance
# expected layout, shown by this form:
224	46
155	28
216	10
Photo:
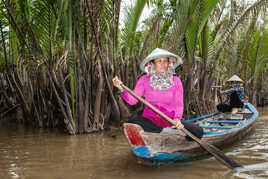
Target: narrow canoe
219	130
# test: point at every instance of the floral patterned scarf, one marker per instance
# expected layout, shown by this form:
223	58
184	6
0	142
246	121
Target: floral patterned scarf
161	81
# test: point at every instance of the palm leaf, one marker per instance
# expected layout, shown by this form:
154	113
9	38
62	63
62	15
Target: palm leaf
41	22
132	17
233	26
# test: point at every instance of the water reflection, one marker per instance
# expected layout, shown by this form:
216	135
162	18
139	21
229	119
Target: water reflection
42	154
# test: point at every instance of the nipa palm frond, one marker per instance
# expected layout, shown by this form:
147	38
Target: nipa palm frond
132	17
234	25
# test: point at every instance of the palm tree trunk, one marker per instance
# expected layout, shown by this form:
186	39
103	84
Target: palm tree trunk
100	90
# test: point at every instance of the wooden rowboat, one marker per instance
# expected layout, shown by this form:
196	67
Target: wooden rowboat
219	130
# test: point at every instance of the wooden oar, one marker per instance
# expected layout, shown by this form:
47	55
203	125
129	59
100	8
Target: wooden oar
218	154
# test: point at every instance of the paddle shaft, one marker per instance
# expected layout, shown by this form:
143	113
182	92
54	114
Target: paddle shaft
218	154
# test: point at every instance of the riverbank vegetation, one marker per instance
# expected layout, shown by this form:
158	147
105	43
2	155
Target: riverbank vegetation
57	57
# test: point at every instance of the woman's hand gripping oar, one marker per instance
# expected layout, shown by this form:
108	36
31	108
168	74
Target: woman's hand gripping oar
218	154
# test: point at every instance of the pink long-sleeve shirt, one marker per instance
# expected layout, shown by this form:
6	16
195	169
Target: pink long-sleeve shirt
169	101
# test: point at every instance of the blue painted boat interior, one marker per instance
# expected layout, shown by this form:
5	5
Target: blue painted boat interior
228	128
225	121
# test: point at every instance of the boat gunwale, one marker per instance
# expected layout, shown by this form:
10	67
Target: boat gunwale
214	134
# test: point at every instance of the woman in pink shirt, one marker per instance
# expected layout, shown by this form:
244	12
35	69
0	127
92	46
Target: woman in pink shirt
161	89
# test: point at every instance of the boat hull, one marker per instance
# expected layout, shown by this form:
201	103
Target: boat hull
165	148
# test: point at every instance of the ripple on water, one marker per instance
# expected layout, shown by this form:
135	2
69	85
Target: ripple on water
258	170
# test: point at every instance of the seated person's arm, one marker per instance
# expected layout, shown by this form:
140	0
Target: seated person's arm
226	91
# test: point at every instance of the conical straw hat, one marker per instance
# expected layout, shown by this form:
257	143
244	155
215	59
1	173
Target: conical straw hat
158	52
235	78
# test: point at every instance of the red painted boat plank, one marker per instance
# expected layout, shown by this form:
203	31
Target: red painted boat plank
133	135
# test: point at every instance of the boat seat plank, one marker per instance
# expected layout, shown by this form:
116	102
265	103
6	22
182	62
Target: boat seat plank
217	127
225	121
245	111
211	133
236	116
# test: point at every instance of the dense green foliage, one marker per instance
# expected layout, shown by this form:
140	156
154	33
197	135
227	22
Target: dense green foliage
58	57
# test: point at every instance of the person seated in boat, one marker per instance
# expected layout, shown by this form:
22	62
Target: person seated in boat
163	90
234	96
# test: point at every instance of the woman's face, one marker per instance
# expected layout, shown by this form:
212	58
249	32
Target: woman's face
161	64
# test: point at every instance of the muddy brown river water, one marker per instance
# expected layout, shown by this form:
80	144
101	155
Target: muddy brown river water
47	154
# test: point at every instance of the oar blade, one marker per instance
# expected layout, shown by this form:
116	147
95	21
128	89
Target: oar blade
217	153
221	156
